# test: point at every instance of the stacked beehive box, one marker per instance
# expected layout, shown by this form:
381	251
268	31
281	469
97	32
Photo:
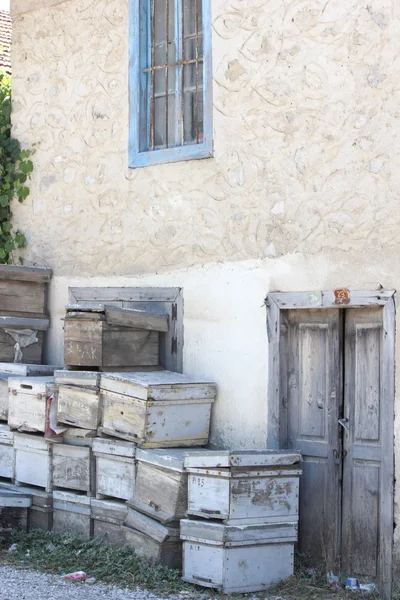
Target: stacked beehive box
247	502
23	318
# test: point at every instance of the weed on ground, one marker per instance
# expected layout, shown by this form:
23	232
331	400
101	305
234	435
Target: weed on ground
60	554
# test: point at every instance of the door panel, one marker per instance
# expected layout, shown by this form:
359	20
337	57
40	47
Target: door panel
363	478
312	392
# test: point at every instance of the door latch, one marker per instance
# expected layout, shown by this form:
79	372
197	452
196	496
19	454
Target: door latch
343	423
339	454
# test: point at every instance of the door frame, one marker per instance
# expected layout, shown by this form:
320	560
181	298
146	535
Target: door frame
278	301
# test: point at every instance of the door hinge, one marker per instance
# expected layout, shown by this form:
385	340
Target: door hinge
174	313
174	345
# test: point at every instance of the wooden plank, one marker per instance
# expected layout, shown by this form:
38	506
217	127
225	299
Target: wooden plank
74	436
274	392
242	458
79	407
77	378
26	370
21	296
150	527
167	553
7	322
9	498
110	511
309	300
114	447
138	319
121	294
19	273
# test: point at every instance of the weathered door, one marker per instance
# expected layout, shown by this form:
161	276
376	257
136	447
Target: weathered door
314	388
337	411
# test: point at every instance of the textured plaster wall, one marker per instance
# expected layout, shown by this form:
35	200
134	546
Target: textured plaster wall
302	192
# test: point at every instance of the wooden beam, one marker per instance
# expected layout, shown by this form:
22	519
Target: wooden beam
137	319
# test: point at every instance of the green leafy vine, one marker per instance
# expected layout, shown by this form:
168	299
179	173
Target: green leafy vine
15	169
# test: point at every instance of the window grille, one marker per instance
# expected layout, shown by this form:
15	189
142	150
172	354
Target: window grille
170	80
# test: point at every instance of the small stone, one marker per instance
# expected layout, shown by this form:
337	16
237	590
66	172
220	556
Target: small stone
91	580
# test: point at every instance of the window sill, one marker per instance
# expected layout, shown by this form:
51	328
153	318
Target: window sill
157	157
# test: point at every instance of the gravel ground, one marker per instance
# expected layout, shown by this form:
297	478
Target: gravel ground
22	584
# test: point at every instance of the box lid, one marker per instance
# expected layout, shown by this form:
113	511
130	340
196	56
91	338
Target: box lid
12	369
150	527
238	535
113	510
75	436
30	441
168	458
157	385
242	458
77	378
40	498
14	499
20	273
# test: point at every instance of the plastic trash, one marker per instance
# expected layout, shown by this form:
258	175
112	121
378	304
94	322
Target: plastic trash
13	548
370	588
352	583
51	547
76	576
91	580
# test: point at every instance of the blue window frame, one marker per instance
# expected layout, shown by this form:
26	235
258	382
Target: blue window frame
170	81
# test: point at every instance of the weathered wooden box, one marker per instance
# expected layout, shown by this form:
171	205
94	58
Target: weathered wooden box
40	513
244	486
28	406
158	409
162	470
78	407
72	513
241	559
7	460
11	370
21	339
108	517
90	341
33	461
115	468
157	542
74	436
13	511
73	468
23	290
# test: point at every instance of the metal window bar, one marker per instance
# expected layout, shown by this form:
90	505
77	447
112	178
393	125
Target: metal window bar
179	65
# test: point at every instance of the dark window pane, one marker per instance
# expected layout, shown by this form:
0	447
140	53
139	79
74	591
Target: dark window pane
172	133
159	20
189	48
159	122
189	127
189	12
159	82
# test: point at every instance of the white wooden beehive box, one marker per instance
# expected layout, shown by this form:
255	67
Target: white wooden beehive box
72	513
74	436
108	517
243	559
7	460
78	407
158	409
159	543
162	470
244	486
28	402
11	370
83	379
115	468
33	460
73	468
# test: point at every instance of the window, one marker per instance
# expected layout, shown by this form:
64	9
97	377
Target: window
170	81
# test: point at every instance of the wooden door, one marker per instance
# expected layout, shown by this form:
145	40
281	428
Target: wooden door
313	384
336	382
367	524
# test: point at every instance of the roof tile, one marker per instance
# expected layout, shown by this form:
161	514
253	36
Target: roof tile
5	40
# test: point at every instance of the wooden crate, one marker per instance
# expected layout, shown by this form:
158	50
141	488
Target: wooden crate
23	290
157	542
90	342
40	513
108	517
158	409
115	468
11	370
243	559
162	470
13	511
72	513
7	460
73	468
78	407
33	461
21	339
248	486
28	406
